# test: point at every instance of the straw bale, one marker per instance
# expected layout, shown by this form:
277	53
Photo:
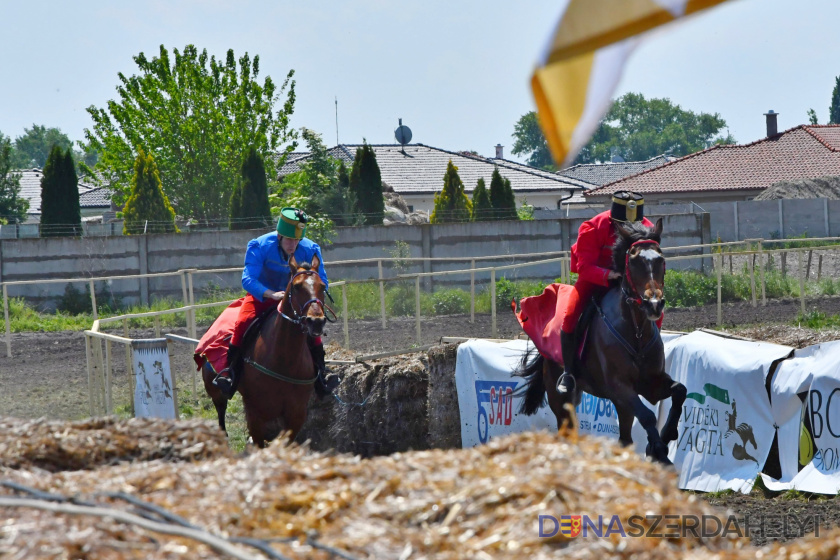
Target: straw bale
481	502
383	408
444	414
88	444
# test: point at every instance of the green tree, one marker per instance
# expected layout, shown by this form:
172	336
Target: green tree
502	198
249	207
199	116
834	109
482	209
812	117
451	203
366	185
147	209
642	128
530	141
33	147
60	211
12	207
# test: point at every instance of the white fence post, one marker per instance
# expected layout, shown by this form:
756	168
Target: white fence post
417	307
719	293
801	281
472	290
493	301
93	300
344	315
382	295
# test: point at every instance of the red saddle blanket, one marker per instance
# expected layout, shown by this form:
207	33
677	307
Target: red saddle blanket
541	317
213	346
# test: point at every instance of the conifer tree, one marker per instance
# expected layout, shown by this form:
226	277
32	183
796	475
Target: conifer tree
502	198
834	109
249	206
451	203
147	209
509	209
481	207
366	185
60	211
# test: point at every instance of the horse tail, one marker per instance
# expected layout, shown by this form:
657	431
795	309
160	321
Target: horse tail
531	369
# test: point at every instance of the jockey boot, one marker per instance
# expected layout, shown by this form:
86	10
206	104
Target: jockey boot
323	386
566	383
224	379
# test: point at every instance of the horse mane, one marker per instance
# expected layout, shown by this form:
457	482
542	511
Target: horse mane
638	232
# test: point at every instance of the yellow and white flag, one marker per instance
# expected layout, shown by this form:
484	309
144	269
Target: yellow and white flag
580	67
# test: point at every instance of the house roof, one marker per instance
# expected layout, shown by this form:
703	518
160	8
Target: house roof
604	173
419	169
30	189
802	152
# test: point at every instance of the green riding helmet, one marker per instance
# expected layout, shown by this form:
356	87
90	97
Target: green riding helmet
292	223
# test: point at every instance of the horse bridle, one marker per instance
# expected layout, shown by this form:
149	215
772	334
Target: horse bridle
633	296
299	315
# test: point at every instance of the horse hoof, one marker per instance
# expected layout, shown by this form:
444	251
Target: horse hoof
658	453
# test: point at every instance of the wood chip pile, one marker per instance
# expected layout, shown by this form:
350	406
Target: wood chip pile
88	444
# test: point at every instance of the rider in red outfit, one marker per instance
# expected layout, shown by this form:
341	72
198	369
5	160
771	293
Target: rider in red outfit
592	260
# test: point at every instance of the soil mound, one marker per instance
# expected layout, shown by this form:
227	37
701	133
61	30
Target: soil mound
821	187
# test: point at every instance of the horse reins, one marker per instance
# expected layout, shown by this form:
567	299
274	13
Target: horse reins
299	315
635	296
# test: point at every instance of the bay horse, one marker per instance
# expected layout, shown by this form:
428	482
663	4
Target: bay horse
624	356
278	373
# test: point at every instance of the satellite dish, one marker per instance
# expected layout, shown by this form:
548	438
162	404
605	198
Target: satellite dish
402	134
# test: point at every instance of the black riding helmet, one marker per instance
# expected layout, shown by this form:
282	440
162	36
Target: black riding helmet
627	207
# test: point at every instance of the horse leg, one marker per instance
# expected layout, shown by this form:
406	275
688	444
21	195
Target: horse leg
625	424
556	401
219	400
656	449
663	387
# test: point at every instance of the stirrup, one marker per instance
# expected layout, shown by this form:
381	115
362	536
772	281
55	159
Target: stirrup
560	388
225	385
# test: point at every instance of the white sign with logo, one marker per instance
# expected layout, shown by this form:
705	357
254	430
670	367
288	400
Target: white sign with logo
726	426
153	387
489	397
806	407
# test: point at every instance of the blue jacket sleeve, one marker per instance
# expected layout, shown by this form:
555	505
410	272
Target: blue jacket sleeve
321	270
253	269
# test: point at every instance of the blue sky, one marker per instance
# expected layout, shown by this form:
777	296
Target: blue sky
457	72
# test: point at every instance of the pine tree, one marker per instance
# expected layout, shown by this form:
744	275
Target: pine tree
366	185
249	207
451	203
147	209
501	197
510	203
481	207
61	214
834	110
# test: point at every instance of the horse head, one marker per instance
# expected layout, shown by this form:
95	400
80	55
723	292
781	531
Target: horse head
639	258
305	295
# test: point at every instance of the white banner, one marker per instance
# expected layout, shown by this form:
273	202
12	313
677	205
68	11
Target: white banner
726	426
489	397
153	387
806	407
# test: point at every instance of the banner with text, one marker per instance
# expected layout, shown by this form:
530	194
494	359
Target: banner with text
153	392
726	426
806	407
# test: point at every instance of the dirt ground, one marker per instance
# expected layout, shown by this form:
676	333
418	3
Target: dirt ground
47	375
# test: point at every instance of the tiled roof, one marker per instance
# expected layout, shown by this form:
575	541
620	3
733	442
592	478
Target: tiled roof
419	169
604	173
30	189
803	152
97	197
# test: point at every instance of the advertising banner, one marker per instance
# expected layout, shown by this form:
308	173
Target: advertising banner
806	407
726	425
153	388
489	397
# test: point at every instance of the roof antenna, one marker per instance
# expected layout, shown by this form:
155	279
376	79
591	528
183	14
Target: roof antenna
336	120
403	135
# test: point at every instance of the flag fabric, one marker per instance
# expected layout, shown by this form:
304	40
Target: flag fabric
580	67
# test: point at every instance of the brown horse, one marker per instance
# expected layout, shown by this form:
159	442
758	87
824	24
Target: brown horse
624	356
276	382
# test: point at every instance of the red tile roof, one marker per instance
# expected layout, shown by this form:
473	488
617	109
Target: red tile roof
804	152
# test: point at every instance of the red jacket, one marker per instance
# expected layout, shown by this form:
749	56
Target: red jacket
592	252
